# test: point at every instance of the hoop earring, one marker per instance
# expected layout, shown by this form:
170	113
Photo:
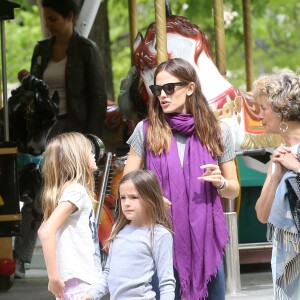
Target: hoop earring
283	126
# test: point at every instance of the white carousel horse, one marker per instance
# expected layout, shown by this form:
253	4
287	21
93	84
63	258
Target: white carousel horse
231	105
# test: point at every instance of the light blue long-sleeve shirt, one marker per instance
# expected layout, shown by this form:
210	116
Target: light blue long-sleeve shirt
131	263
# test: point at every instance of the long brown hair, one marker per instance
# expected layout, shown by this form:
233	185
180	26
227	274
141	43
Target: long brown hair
207	126
152	199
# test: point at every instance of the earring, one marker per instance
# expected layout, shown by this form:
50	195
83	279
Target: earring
283	126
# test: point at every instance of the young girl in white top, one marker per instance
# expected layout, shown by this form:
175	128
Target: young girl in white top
140	244
69	234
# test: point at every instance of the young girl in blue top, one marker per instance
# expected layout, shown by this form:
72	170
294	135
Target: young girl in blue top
140	244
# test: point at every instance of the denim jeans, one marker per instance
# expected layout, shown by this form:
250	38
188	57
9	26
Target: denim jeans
216	287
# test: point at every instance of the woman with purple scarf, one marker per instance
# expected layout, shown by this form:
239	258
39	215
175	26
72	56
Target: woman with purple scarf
192	155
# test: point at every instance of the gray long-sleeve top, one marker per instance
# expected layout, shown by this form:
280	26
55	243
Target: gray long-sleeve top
132	262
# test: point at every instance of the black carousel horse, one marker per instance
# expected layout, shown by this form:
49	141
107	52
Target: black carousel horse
32	113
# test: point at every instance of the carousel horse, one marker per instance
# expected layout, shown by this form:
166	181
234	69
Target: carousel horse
32	113
230	104
132	100
41	117
115	129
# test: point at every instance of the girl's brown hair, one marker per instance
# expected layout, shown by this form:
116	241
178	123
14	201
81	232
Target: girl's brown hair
152	199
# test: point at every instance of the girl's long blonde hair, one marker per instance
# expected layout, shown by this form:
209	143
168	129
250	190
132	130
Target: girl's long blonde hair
66	161
152	199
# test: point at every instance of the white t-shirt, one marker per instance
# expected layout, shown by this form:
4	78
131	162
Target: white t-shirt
77	244
54	76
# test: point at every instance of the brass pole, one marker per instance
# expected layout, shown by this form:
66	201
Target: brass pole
4	81
132	24
161	31
248	43
220	36
231	259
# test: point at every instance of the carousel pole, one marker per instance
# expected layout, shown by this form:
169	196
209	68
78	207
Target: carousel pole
132	25
6	13
4	81
248	43
231	261
161	31
220	36
87	16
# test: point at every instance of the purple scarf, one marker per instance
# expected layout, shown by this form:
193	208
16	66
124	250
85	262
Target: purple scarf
200	231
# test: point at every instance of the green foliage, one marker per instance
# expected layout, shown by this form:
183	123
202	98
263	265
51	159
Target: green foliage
120	37
275	34
21	35
274	45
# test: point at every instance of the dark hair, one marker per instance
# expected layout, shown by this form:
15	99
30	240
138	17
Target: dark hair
63	7
149	189
146	184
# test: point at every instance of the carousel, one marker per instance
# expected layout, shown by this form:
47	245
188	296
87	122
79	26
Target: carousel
168	37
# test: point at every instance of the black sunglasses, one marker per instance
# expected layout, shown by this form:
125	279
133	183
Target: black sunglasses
168	88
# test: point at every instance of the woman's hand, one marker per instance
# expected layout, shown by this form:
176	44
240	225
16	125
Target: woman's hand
276	170
213	174
284	160
23	73
223	177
